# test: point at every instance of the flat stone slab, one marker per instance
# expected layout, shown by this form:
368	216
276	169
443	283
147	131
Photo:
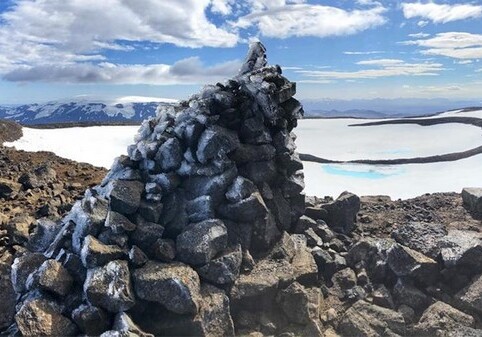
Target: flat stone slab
472	198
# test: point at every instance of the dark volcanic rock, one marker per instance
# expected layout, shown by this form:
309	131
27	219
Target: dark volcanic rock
175	286
471	296
22	267
472	198
42	318
91	320
462	249
8	188
440	319
51	276
223	269
119	223
44	234
299	304
200	242
109	287
408	262
339	214
9	298
422	237
125	196
365	319
94	253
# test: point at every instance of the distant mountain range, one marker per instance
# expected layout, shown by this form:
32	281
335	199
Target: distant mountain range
133	109
382	108
82	111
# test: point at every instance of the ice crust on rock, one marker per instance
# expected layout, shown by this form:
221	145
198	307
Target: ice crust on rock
207	185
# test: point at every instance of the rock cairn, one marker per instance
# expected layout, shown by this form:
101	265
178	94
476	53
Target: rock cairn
172	239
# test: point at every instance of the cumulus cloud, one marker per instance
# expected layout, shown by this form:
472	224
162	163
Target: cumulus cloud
186	71
441	13
282	20
419	35
65	40
459	45
381	68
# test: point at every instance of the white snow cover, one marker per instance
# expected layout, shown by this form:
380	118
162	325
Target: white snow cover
334	139
97	145
328	138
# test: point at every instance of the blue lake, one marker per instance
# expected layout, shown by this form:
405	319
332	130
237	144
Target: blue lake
362	171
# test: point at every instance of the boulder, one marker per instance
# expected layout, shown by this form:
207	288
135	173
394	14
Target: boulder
223	269
200	209
164	250
125	196
240	189
440	319
299	304
119	223
344	279
339	214
22	267
404	292
216	141
45	232
471	296
404	261
422	237
109	287
472	198
169	156
9	298
53	277
8	188
249	209
43	318
368	320
176	286
94	253
212	319
137	257
201	241
146	234
461	249
91	320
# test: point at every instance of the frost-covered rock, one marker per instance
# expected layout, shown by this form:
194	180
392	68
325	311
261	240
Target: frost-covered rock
109	287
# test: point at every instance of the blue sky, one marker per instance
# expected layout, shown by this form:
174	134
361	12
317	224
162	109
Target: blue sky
345	49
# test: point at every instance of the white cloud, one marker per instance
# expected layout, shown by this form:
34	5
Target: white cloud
464	62
279	19
186	71
383	68
223	7
62	40
441	13
419	35
459	45
422	23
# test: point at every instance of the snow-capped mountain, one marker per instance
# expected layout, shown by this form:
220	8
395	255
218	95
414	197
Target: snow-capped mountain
124	109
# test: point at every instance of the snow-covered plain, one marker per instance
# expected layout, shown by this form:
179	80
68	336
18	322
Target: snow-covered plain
330	139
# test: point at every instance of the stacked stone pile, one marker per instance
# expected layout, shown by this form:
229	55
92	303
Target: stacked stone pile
203	230
208	187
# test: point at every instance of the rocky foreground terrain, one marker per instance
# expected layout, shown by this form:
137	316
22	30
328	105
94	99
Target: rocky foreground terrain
354	300
203	230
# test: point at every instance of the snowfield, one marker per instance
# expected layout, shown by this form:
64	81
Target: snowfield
326	138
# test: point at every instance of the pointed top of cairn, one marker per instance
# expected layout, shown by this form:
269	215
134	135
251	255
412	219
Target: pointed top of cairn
255	59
